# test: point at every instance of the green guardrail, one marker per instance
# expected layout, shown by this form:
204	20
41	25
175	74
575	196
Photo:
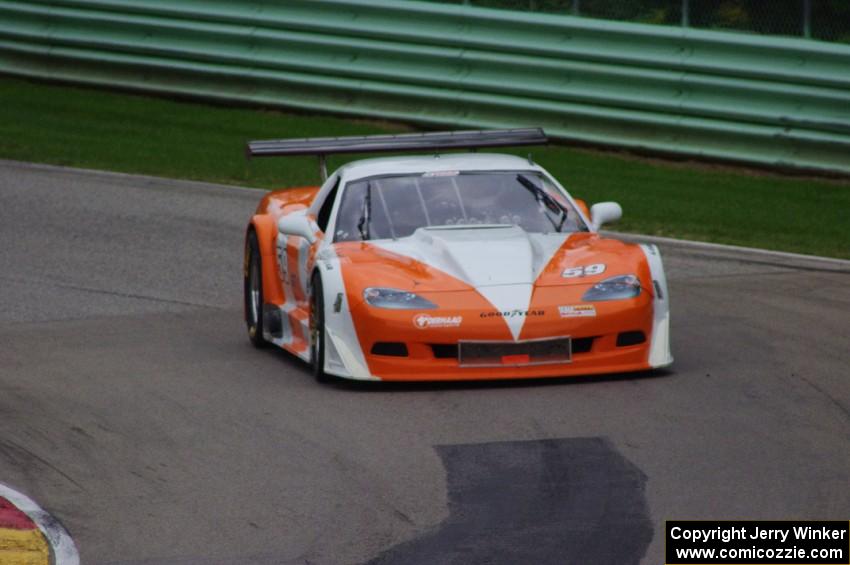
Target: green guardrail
770	101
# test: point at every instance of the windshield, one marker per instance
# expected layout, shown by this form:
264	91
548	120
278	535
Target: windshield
396	206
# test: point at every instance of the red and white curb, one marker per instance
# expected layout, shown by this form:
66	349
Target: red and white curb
62	548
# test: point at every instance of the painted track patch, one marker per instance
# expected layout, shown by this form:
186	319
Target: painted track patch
21	542
31	536
558	501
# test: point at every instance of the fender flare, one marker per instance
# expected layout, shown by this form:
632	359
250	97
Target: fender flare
265	227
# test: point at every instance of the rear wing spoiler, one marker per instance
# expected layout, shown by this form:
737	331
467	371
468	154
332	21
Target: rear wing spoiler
432	141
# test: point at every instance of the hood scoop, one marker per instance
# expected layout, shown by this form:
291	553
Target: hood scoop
501	262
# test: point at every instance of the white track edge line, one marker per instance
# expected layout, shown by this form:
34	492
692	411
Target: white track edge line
726	247
119	175
62	546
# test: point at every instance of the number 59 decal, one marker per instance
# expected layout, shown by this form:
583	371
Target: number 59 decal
586	271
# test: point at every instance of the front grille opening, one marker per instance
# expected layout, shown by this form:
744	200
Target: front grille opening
582	344
532	352
630	338
390	348
450	351
444	350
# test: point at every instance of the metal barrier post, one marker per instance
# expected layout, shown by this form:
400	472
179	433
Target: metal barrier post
807	19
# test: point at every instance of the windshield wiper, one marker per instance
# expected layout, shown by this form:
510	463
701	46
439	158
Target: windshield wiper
366	215
542	196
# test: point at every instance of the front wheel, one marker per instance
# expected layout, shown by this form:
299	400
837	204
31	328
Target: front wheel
317	330
253	289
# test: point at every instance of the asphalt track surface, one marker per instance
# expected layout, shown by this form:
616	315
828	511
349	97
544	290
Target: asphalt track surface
133	408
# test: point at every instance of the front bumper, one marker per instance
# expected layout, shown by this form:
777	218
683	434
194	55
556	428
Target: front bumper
397	349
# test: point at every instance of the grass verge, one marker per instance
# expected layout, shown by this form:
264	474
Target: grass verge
136	134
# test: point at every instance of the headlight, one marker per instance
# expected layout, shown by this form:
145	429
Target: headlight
396	299
615	288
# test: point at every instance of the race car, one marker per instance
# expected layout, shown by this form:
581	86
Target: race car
447	266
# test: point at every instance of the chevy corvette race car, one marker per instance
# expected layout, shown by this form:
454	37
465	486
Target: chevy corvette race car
447	266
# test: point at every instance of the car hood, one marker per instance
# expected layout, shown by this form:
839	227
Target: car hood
482	257
503	265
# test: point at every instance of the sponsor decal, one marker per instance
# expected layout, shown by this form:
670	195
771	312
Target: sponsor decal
512	313
586	271
423	321
577	311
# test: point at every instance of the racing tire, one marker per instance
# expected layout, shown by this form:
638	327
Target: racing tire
317	331
253	290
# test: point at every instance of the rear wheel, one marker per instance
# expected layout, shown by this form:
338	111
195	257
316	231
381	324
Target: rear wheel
253	289
317	330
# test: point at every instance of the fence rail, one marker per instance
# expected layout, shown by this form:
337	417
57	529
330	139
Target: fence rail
771	101
825	20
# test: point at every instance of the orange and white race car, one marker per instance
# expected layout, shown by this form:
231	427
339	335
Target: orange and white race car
448	267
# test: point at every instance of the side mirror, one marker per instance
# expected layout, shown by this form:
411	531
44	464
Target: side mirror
296	223
605	213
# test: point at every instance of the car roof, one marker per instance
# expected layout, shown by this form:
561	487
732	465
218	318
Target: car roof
433	163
